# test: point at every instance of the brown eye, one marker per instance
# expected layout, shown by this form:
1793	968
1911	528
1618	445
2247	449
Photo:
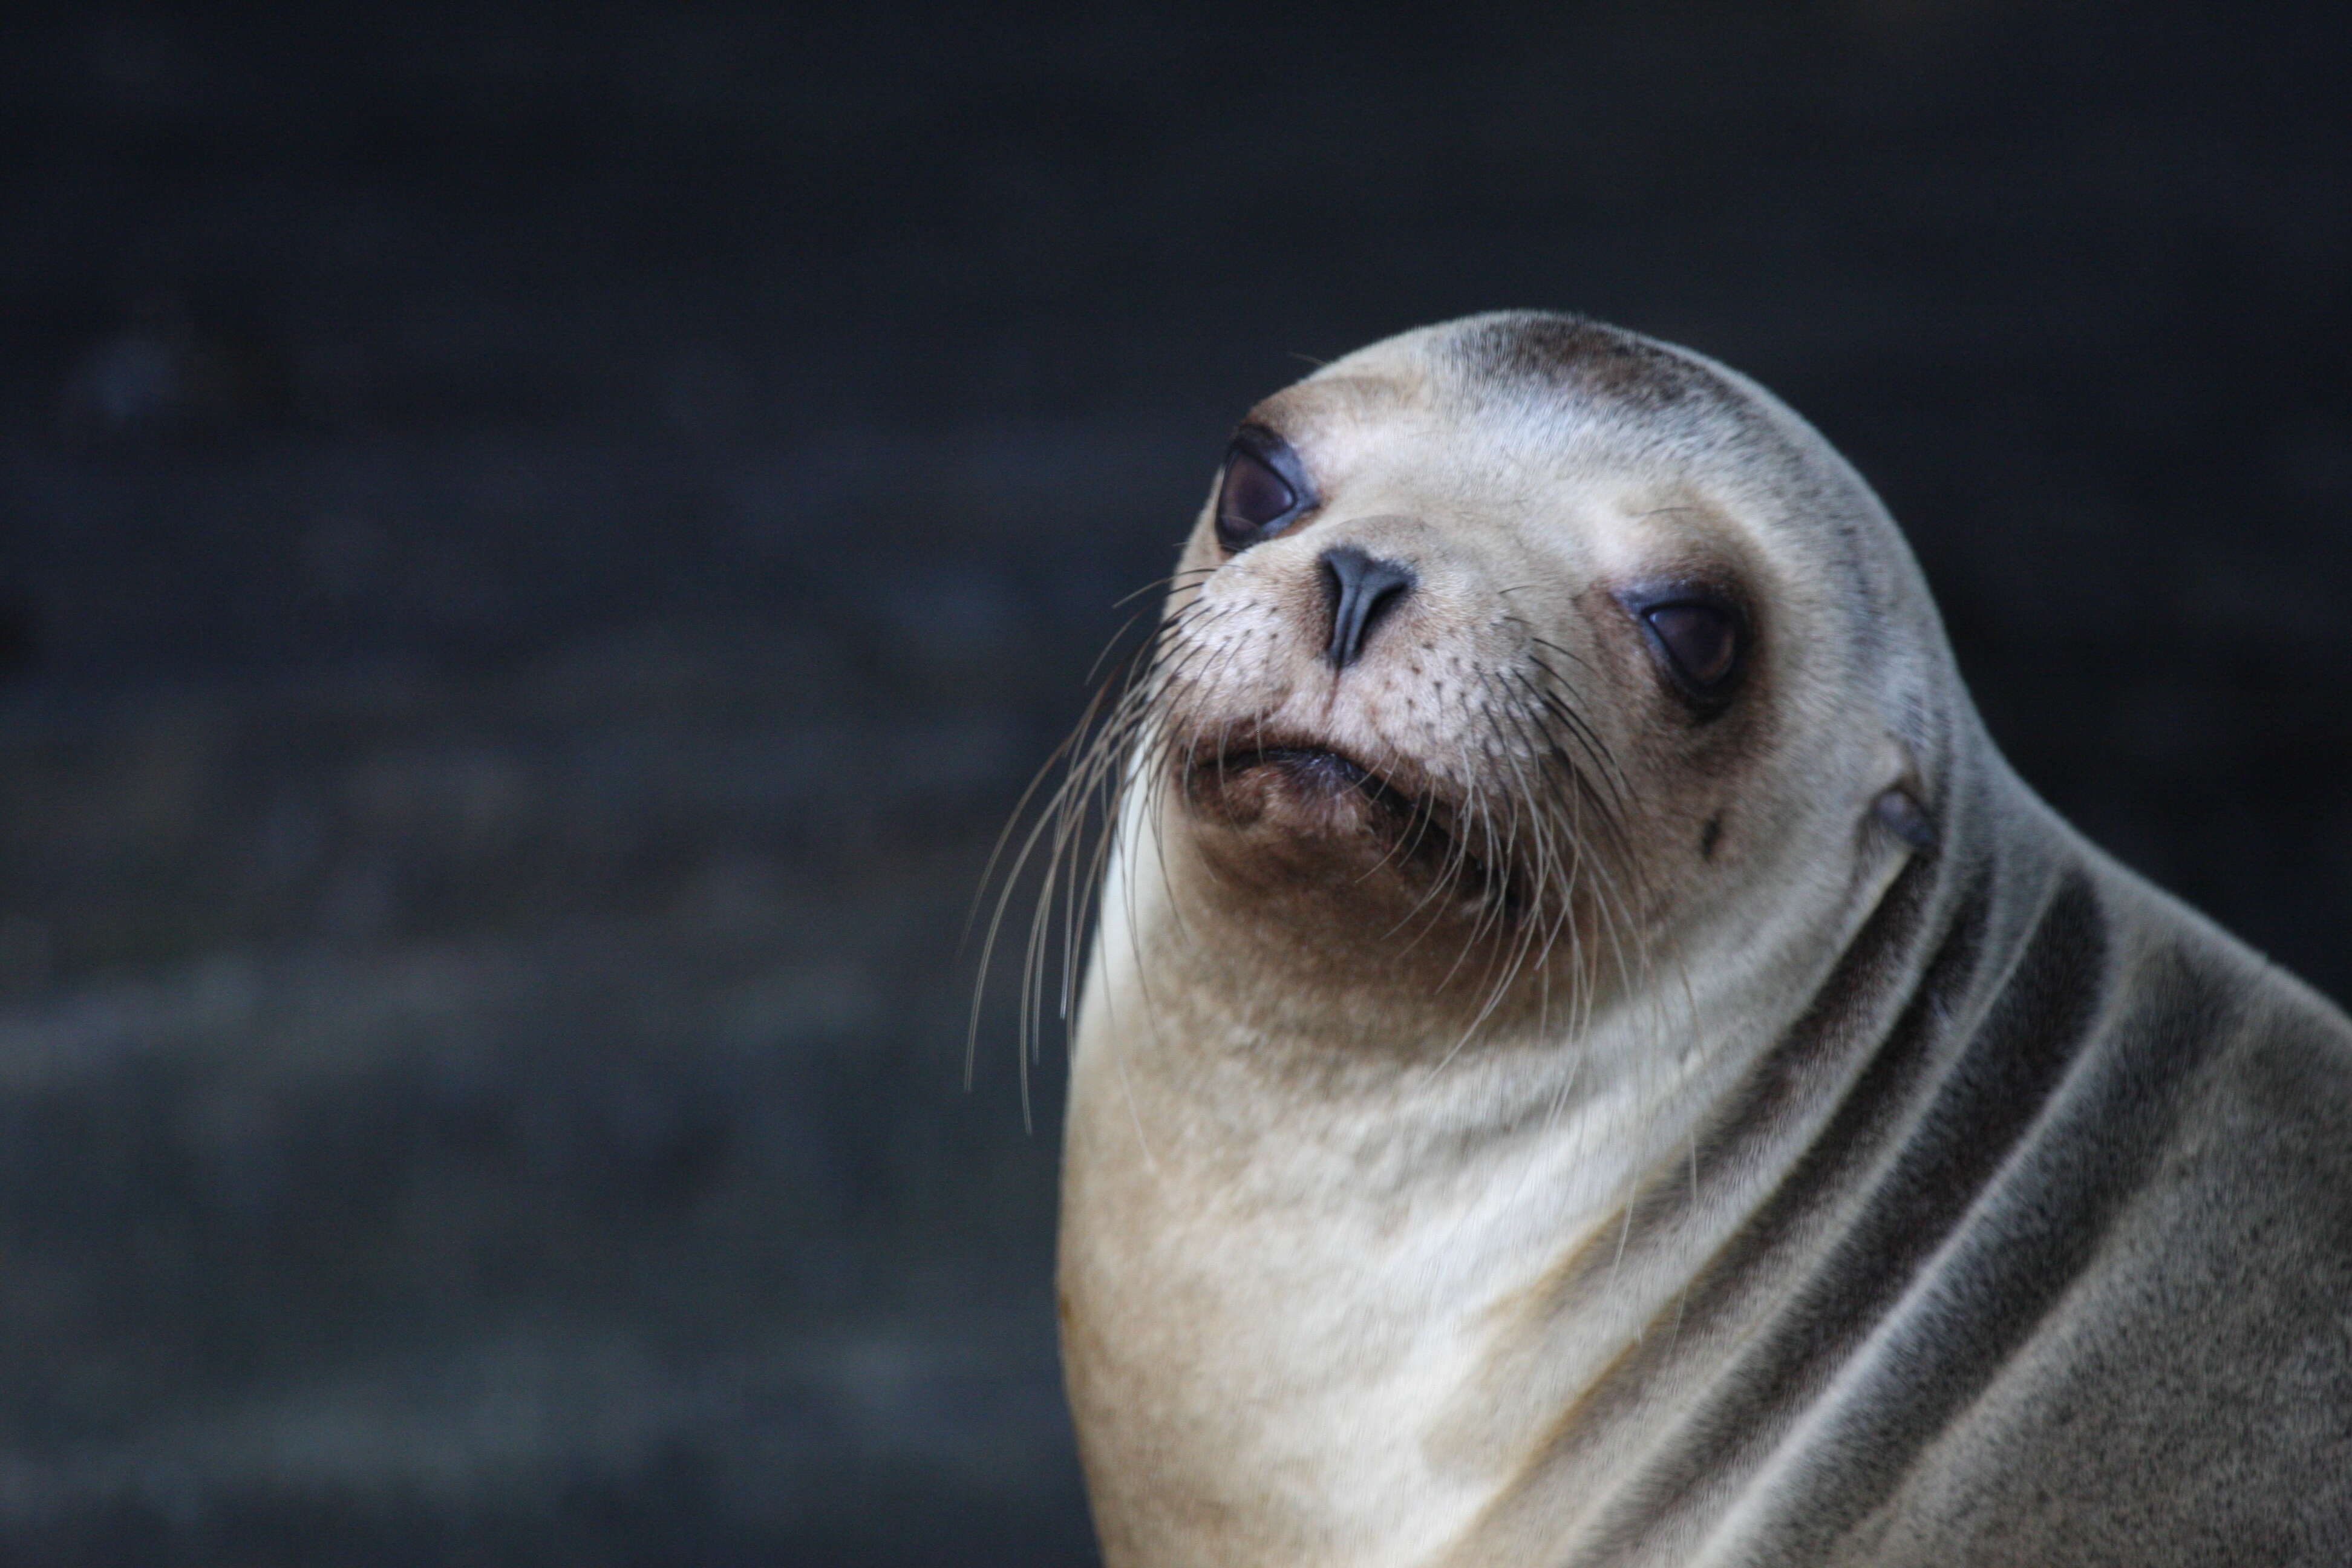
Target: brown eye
1701	641
1256	498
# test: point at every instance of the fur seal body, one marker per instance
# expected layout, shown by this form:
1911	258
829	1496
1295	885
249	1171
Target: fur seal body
1590	1056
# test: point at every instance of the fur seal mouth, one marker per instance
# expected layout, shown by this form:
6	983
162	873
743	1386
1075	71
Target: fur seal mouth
1304	794
1311	767
1300	769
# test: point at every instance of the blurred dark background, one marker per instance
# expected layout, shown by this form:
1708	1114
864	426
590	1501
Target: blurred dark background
537	546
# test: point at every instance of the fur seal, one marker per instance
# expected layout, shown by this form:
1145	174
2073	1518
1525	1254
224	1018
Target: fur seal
1588	1055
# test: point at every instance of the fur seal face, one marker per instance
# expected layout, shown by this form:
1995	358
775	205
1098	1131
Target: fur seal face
1508	658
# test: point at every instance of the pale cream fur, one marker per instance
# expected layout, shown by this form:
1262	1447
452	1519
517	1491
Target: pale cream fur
1307	1214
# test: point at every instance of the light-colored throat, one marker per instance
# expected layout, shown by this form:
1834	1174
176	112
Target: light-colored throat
1327	1283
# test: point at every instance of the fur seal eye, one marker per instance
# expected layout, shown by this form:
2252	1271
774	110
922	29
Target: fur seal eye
1701	642
1261	490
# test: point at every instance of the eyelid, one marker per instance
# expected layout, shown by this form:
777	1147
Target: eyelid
1269	447
1642	602
1241	454
1279	457
1717	627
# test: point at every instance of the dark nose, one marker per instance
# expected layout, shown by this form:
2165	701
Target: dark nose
1360	590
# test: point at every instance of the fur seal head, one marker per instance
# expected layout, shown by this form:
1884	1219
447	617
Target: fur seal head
1510	658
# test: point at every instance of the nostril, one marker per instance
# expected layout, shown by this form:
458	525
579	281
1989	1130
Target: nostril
1360	591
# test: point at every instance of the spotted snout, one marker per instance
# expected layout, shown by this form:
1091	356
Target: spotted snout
1351	599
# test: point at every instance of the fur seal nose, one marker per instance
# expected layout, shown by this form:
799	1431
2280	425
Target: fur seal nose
1360	590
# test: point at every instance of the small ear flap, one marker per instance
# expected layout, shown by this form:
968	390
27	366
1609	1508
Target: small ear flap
1903	816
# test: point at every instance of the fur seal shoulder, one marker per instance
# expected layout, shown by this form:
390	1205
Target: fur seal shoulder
1589	1055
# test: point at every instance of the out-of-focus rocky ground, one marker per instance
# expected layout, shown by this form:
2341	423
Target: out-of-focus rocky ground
538	549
